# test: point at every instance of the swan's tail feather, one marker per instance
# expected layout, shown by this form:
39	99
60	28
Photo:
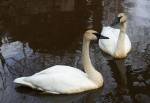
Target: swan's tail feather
22	81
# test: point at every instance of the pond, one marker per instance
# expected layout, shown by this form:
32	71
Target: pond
37	34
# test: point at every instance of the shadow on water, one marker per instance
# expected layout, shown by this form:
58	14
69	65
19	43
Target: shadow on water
38	34
47	97
51	98
50	26
42	29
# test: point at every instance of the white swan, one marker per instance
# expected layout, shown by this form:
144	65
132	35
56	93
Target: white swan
118	45
61	79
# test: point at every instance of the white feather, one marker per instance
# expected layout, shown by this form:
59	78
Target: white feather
58	79
109	45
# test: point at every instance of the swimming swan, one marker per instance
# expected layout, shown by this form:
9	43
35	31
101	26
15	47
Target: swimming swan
61	79
118	45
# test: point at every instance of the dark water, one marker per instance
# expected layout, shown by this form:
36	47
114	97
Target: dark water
38	34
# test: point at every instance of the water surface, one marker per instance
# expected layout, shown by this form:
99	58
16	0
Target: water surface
38	34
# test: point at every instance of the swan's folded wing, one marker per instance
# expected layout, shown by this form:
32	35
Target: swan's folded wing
61	82
109	45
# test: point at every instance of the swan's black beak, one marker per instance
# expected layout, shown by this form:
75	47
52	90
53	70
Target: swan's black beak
116	21
99	36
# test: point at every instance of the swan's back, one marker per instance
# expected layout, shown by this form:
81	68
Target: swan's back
109	45
59	79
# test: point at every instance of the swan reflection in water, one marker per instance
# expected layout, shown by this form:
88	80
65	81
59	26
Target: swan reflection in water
120	72
87	97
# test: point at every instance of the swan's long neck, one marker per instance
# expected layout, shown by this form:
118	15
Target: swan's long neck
94	75
123	27
120	48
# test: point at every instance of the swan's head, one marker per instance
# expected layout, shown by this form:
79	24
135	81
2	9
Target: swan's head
93	35
121	18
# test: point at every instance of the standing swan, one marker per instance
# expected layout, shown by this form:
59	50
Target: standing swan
61	79
118	45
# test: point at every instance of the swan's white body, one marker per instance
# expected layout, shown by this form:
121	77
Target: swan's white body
118	45
110	45
61	79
